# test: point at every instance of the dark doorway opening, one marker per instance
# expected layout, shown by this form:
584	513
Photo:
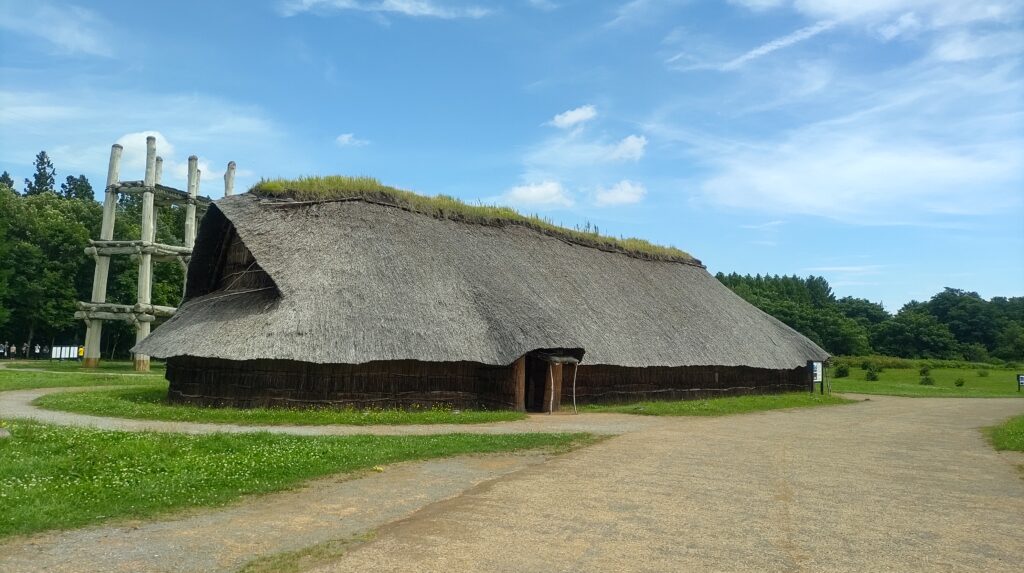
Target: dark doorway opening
536	382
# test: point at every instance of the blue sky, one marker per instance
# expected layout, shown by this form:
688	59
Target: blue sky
879	143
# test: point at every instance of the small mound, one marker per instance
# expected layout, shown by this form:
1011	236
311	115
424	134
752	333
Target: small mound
342	188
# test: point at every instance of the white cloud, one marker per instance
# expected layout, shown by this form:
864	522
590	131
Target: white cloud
850	175
962	46
624	192
350	140
758	5
906	24
69	29
540	194
631	148
78	128
778	44
574	117
414	8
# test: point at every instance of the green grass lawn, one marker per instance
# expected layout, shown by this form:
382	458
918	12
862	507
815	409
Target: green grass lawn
1009	435
122	366
906	382
62	477
720	406
25	379
149	404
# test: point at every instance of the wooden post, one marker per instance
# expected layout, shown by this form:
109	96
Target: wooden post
553	388
229	180
190	209
146	259
519	384
94	328
159	170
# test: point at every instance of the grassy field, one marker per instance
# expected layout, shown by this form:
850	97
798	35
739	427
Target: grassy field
25	379
61	477
907	382
149	404
720	406
120	366
1009	435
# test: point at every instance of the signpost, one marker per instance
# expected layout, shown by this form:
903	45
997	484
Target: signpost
1020	382
817	375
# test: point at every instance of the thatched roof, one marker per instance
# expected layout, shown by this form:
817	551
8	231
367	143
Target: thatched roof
354	282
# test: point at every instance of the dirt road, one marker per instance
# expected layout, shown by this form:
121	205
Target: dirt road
891	484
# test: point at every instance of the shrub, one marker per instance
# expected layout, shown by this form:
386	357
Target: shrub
871	375
983	373
959	382
925	370
927	381
842	371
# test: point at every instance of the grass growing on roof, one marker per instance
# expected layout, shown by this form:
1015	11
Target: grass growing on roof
149	403
720	406
337	187
62	477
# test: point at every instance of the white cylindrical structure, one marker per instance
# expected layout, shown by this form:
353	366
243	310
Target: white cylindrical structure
229	180
94	328
159	170
145	285
190	208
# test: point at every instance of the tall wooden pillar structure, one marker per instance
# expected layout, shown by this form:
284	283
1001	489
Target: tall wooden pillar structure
145	249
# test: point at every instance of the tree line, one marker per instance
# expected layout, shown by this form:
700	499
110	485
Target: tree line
954	324
44	230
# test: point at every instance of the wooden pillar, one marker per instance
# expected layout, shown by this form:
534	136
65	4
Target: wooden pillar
145	286
519	384
190	209
553	388
229	180
94	328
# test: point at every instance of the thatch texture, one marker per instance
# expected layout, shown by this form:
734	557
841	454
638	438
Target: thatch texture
352	282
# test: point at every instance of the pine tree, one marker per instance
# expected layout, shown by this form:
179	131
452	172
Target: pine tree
7	181
44	177
77	188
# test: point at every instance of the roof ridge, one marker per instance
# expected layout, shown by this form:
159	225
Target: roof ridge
317	190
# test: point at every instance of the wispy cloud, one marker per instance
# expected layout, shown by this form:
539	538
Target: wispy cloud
68	29
539	194
768	226
574	117
215	129
412	8
624	192
350	140
778	44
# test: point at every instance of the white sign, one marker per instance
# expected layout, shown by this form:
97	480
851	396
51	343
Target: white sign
817	371
1020	379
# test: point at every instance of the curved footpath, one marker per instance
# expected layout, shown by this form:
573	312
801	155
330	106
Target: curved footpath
889	484
18	404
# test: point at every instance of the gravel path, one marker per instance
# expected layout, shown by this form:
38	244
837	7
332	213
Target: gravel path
888	484
224	539
18	404
891	484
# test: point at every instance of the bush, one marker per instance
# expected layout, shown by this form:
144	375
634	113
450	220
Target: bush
983	373
959	382
925	370
927	381
842	371
871	375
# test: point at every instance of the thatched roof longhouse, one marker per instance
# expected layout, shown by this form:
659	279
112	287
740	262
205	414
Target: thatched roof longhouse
355	281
